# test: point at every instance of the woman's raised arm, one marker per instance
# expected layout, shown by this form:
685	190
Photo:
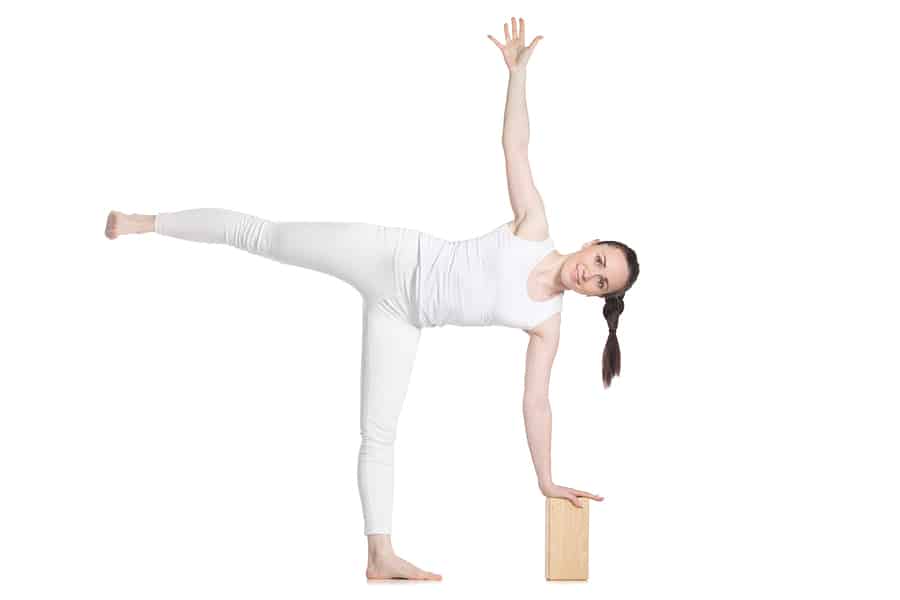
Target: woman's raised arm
523	195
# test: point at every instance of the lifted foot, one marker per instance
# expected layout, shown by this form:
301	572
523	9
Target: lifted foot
119	223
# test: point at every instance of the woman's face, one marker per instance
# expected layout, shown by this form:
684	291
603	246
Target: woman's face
595	270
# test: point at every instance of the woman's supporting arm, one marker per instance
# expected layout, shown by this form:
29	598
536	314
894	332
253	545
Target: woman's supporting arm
538	417
538	428
536	401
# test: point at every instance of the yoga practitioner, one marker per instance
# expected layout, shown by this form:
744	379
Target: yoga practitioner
511	276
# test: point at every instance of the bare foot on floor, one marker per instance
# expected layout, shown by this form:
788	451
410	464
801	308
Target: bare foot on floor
394	567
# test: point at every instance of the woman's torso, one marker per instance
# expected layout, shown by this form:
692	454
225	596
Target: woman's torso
480	281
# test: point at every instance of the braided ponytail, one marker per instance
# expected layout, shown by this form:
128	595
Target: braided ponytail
612	358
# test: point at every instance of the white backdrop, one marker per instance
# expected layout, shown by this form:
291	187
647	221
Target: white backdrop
181	420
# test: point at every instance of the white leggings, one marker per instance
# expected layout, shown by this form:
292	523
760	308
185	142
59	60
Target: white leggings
379	262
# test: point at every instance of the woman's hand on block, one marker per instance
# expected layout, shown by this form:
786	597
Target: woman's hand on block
551	490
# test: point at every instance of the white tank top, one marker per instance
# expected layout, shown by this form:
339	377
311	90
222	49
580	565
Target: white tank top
480	281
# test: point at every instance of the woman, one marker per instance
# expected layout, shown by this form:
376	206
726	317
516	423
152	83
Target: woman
511	276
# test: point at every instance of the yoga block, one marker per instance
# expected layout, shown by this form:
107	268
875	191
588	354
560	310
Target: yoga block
566	546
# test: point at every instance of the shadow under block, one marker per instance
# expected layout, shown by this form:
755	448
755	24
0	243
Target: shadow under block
566	546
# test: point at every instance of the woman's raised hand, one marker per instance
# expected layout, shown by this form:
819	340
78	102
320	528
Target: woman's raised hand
551	490
515	52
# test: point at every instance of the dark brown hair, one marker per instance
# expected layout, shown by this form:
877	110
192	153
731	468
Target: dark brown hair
615	304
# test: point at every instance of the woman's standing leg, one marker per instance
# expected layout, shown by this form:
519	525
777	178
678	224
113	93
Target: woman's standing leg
388	353
389	348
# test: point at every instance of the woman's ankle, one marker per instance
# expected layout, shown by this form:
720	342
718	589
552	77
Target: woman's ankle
380	545
143	223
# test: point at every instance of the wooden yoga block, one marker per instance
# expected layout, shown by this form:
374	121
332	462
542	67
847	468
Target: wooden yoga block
566	546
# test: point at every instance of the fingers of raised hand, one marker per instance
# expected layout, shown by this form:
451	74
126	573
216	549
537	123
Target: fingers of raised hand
518	31
517	37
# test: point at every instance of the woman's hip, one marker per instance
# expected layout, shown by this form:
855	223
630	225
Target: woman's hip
379	261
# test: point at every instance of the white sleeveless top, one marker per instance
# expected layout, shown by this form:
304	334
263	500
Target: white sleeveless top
480	281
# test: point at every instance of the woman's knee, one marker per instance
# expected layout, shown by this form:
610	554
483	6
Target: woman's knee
379	431
253	234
